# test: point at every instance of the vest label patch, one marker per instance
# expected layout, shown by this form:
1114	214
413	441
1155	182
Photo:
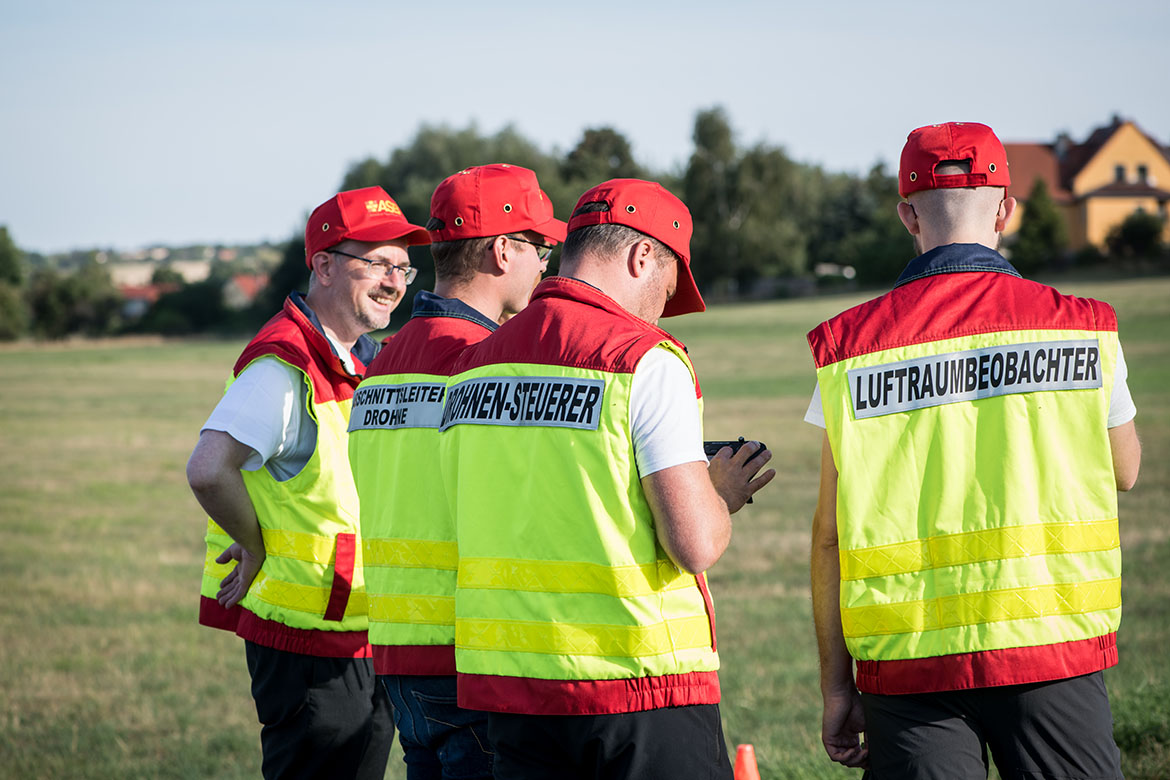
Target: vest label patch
975	373
556	402
414	405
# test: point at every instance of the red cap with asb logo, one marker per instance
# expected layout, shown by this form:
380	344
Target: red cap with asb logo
649	208
492	200
928	146
368	214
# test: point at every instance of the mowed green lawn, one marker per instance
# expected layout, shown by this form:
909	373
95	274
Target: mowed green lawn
104	672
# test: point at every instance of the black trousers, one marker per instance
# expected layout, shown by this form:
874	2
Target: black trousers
322	717
671	744
1061	728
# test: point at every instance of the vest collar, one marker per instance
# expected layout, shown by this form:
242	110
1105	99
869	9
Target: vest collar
427	304
566	287
955	258
364	349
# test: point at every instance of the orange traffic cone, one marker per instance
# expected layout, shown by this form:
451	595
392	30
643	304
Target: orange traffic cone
745	763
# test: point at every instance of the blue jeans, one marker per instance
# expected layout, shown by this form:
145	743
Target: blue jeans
439	740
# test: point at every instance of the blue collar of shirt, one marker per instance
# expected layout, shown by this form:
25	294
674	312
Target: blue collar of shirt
427	304
953	259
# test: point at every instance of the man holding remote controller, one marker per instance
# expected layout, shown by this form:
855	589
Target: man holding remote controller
583	621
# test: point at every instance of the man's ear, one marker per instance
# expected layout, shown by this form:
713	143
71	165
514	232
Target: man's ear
324	265
639	258
1007	207
909	217
499	256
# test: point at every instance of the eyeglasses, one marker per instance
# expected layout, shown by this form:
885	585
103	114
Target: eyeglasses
542	250
380	269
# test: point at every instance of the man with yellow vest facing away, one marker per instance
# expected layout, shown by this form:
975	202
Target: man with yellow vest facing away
492	229
271	469
586	512
965	542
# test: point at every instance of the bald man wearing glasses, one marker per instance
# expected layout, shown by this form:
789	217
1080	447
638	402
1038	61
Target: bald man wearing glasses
284	561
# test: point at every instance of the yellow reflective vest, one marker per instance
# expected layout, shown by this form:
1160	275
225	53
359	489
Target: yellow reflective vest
565	602
309	596
976	502
408	532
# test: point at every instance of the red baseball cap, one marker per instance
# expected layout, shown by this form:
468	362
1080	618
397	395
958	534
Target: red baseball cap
928	146
649	208
493	200
368	214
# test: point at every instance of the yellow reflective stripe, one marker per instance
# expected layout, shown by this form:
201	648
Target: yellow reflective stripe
976	546
412	609
608	641
298	546
571	577
301	598
411	553
969	609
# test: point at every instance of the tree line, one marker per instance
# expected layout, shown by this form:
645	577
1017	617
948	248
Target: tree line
765	226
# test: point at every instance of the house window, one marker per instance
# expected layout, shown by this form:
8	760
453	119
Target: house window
1119	174
1143	174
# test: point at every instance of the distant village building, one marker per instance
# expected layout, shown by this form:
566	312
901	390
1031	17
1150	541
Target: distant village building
1118	170
137	299
242	289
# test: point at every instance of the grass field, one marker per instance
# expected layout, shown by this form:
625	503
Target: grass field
104	672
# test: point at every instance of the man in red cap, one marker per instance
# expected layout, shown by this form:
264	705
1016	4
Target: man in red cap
586	512
965	542
271	470
492	229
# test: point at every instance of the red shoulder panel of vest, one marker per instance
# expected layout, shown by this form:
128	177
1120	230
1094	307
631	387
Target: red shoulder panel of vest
291	337
953	305
569	323
988	668
427	345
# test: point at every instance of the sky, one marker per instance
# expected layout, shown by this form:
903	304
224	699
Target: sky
129	124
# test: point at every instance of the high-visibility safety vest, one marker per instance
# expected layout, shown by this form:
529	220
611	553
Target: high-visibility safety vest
309	596
408	532
976	503
565	604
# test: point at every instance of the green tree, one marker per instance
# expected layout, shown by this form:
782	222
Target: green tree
857	225
11	260
13	314
1138	236
602	154
769	215
84	301
164	274
193	308
291	274
412	172
1043	236
709	192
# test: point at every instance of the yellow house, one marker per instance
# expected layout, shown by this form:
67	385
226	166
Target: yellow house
1118	170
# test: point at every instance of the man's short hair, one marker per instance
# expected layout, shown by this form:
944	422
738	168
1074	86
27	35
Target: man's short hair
607	240
950	208
458	260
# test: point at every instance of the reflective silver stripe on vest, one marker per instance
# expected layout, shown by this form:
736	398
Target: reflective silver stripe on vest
919	383
414	405
555	402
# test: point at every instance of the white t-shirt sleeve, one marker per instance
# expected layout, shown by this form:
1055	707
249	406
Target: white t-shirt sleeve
264	408
664	414
816	413
1121	406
